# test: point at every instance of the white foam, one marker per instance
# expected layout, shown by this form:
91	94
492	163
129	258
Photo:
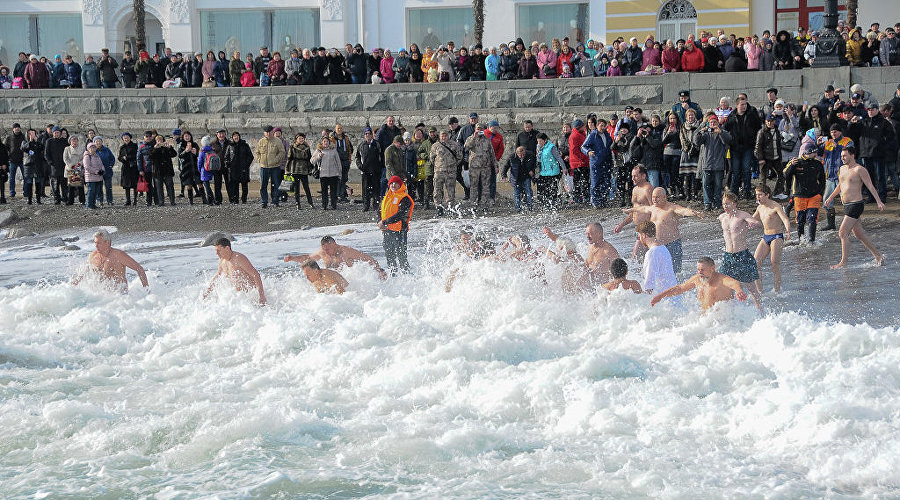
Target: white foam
503	386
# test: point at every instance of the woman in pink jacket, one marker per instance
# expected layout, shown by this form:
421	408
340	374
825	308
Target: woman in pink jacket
387	67
753	51
93	174
546	61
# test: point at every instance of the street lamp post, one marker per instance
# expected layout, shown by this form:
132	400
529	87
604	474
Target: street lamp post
829	40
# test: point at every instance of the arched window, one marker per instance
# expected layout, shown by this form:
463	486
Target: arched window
677	19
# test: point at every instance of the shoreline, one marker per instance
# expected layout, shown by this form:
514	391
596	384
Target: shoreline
48	218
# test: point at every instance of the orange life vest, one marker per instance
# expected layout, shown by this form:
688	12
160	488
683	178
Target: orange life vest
391	204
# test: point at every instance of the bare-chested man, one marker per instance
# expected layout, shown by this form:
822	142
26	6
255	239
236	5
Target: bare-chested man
776	230
665	215
333	256
641	196
619	271
851	178
238	269
110	263
712	287
324	280
737	261
601	254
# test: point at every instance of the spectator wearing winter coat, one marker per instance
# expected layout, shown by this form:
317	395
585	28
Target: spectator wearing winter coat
90	74
277	75
444	59
93	174
632	58
142	70
528	66
715	141
743	124
614	69
692	59
564	58
651	55
107	66
163	170
712	57
767	57
208	70
54	149
193	67
36	74
73	72
175	69
58	73
400	66
509	65
736	61
238	158
671	58
492	65
598	148
768	154
546	61
328	161
357	63
221	70
889	50
582	63
786	51
128	74
386	67
753	50
520	169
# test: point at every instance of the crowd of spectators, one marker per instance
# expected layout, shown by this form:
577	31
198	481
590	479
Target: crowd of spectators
591	161
565	58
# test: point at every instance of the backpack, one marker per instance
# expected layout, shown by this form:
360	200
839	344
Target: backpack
212	162
18	83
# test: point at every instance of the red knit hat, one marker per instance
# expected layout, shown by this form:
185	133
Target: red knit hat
394	179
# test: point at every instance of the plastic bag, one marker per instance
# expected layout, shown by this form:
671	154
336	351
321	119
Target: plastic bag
568	183
466	179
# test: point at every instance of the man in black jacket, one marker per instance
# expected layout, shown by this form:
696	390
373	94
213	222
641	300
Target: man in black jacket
54	147
14	144
369	158
743	125
261	64
107	66
527	138
875	137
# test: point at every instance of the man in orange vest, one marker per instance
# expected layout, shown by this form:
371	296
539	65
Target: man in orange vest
396	211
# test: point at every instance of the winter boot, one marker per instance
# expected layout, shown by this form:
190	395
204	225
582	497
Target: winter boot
830	226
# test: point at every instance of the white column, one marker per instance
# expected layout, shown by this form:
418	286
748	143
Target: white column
597	20
331	23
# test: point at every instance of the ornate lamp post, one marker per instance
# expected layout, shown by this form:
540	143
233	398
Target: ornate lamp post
829	39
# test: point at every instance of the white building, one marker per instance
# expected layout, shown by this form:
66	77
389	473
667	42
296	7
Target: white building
49	27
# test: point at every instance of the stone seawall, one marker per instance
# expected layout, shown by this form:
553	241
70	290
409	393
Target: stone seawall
546	102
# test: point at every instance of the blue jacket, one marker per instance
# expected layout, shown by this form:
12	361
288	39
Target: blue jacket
551	162
73	74
145	166
108	159
520	169
600	143
201	160
678	110
59	73
221	73
830	151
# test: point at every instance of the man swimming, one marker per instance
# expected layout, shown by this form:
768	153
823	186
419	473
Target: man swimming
737	261
238	269
851	178
110	263
665	216
600	253
776	230
324	280
712	287
333	256
619	271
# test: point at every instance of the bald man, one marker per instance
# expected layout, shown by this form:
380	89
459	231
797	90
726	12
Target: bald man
666	216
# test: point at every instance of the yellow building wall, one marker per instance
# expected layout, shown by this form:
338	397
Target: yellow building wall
638	18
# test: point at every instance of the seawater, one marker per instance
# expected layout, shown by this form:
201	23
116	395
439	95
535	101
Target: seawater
503	387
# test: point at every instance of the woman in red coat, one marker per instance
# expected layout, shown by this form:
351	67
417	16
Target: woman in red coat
671	59
692	59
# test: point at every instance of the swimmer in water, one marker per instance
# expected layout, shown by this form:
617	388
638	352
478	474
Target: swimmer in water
238	269
619	271
110	263
712	287
851	177
333	256
324	280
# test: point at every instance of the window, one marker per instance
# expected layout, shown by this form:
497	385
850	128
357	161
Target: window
433	27
543	23
677	20
43	34
247	31
792	14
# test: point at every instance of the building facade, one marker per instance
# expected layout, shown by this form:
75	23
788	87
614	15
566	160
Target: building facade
79	27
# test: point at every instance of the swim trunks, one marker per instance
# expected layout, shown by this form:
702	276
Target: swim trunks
769	238
675	251
740	266
801	204
854	209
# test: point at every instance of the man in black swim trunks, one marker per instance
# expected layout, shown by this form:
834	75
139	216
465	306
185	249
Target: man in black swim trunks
737	261
851	178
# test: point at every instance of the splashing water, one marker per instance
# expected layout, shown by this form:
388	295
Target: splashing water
504	386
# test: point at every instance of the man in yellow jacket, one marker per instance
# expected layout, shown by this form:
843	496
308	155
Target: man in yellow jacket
396	211
270	153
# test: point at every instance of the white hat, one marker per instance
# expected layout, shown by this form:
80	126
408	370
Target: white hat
633	39
779	101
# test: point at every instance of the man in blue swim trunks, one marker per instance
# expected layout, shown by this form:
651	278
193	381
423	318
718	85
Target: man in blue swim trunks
776	230
737	261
